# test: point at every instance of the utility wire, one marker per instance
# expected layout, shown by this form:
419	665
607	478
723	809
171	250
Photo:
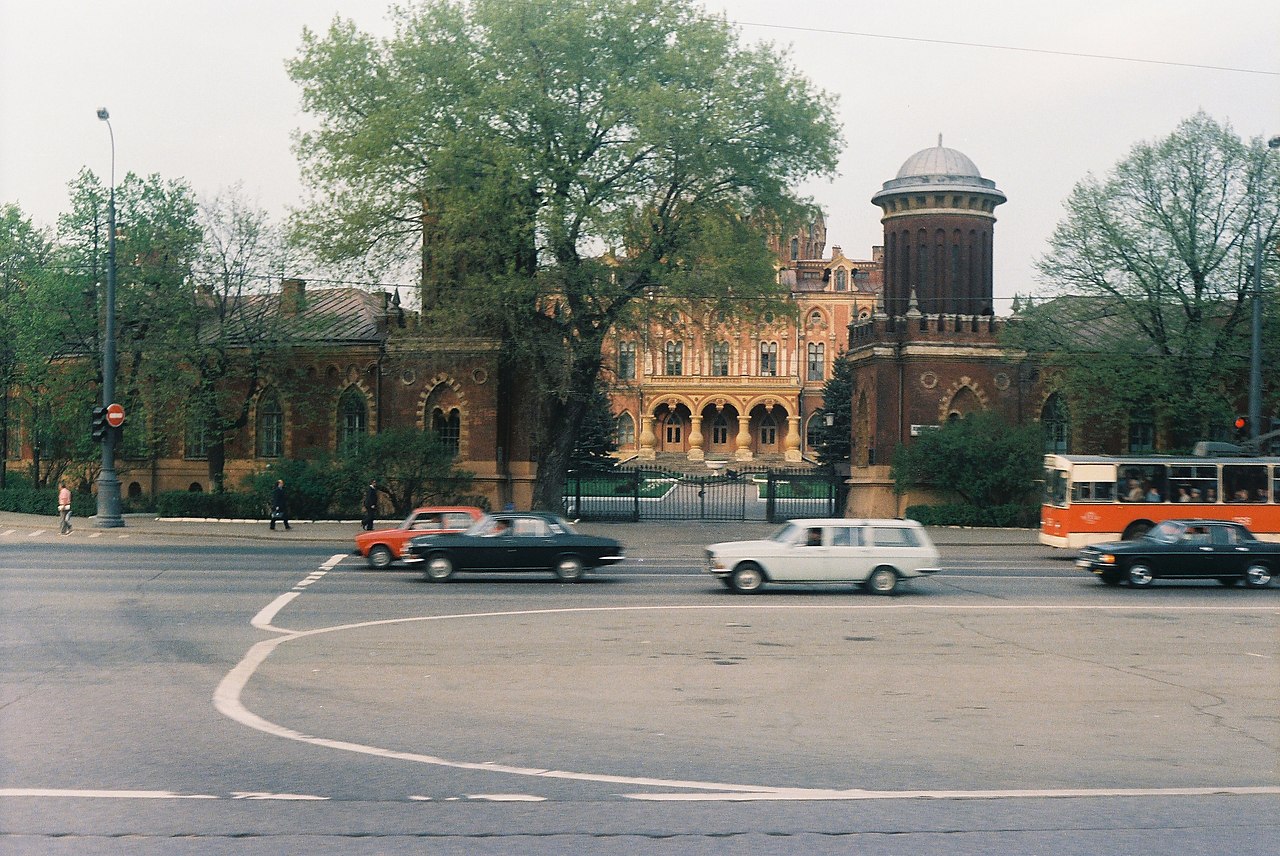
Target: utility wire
1048	51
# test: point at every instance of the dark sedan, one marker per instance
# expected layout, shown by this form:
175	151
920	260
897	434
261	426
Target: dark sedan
1185	549
516	541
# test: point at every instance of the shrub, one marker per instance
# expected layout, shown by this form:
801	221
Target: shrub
181	503
959	514
29	500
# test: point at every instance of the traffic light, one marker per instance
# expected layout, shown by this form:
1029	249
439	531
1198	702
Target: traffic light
99	424
1242	427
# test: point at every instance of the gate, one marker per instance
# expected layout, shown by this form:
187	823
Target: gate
641	493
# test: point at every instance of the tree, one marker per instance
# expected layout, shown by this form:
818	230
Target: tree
1151	275
594	443
835	441
24	252
412	467
980	457
550	163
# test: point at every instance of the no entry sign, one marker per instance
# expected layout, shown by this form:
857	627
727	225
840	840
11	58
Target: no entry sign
115	415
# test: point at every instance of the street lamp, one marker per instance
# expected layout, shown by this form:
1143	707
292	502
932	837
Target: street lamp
108	485
1255	367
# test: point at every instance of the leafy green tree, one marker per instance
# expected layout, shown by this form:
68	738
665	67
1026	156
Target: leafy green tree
835	441
1150	272
412	468
980	457
550	163
594	443
24	252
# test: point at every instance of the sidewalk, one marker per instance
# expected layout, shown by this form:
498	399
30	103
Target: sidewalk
677	538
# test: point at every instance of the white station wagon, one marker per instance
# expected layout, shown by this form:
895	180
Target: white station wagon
875	554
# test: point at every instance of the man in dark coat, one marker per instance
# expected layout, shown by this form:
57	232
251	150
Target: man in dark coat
279	506
370	504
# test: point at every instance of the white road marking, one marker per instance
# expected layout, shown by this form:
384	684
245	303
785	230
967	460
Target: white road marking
506	797
87	794
255	795
226	699
795	794
35	533
7	532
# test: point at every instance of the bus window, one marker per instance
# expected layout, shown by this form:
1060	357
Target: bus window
1244	483
1093	491
1275	483
1055	488
1143	483
1198	483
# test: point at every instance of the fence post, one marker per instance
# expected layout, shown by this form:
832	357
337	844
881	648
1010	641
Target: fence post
635	496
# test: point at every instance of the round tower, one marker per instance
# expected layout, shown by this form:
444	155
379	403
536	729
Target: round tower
939	216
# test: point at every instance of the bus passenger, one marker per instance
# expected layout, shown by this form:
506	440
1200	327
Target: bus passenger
1152	495
1183	496
1135	492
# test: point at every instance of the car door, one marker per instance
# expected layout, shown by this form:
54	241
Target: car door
798	559
531	544
1231	553
848	555
1189	556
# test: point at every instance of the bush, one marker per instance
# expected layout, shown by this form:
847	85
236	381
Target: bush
1003	516
29	500
181	503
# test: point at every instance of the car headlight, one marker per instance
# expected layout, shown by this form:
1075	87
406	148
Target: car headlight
1107	559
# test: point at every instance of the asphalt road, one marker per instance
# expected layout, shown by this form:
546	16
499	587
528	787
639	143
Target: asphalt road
180	693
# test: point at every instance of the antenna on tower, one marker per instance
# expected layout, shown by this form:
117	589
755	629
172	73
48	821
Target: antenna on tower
939	140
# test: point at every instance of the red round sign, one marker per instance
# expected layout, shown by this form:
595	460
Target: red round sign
115	415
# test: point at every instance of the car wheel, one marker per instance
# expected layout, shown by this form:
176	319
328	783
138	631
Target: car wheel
1257	576
439	568
747	578
380	557
883	580
1140	575
1111	578
1229	582
569	569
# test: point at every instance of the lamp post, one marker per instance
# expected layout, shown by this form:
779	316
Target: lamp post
1255	366
108	485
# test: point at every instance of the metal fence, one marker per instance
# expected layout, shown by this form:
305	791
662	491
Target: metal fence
637	494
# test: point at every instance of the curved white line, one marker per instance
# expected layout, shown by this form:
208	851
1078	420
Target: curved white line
226	699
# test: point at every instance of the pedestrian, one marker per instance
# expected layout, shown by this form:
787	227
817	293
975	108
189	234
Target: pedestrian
279	506
64	509
370	504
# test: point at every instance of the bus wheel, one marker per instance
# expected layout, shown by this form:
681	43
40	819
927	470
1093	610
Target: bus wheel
1136	530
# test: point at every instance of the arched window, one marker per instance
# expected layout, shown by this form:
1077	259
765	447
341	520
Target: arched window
813	430
353	422
720	359
842	279
720	430
624	431
768	359
447	427
795	248
817	361
675	358
270	425
768	431
1055	421
627	360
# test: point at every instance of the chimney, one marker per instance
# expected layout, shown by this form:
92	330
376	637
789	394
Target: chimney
293	296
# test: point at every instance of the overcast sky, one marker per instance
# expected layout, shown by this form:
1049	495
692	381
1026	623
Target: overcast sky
197	89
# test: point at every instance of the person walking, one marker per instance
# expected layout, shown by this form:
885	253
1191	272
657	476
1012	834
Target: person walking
370	505
64	509
279	506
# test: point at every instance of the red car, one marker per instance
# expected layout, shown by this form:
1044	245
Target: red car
382	547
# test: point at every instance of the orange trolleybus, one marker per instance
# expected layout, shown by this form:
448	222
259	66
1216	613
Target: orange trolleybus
1093	498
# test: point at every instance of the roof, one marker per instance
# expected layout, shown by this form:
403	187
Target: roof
939	169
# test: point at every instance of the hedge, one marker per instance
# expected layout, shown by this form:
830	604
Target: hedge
1002	516
181	503
27	500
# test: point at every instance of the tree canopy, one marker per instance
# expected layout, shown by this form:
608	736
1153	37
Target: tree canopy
547	163
1150	275
980	457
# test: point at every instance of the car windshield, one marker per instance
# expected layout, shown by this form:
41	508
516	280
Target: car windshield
788	534
1166	533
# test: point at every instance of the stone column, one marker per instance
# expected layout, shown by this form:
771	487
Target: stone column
695	437
743	452
791	443
647	439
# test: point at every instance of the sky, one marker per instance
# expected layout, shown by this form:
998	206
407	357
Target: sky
1038	95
